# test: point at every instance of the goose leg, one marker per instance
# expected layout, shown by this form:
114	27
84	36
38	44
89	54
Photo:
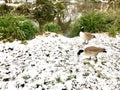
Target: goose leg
96	60
78	59
89	58
85	42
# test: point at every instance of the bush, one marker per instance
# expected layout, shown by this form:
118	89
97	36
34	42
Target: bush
4	9
44	12
92	22
113	23
118	28
52	28
117	20
112	32
16	27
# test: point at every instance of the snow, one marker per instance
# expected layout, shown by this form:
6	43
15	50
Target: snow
2	2
50	62
14	5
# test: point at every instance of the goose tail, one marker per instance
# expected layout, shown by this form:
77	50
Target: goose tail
105	51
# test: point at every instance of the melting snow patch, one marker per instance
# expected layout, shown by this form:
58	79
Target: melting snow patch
51	63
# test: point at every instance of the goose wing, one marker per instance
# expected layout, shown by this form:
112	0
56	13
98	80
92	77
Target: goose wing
94	49
88	35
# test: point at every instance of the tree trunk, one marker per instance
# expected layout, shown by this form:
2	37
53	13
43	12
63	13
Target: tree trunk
6	1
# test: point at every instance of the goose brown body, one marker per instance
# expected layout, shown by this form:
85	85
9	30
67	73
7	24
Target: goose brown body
86	36
93	51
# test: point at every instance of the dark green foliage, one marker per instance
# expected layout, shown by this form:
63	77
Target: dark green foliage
42	1
16	27
112	32
44	11
118	27
28	28
4	9
92	22
117	20
75	30
52	28
113	23
60	8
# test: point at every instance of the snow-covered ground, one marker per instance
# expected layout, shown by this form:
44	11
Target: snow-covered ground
51	63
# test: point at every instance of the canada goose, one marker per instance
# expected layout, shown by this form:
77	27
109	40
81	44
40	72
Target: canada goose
85	35
92	51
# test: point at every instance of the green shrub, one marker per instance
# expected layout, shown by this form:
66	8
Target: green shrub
4	9
113	23
51	27
16	27
60	8
44	12
112	32
117	20
92	22
118	27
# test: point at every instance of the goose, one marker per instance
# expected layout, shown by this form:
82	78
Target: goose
85	35
92	51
